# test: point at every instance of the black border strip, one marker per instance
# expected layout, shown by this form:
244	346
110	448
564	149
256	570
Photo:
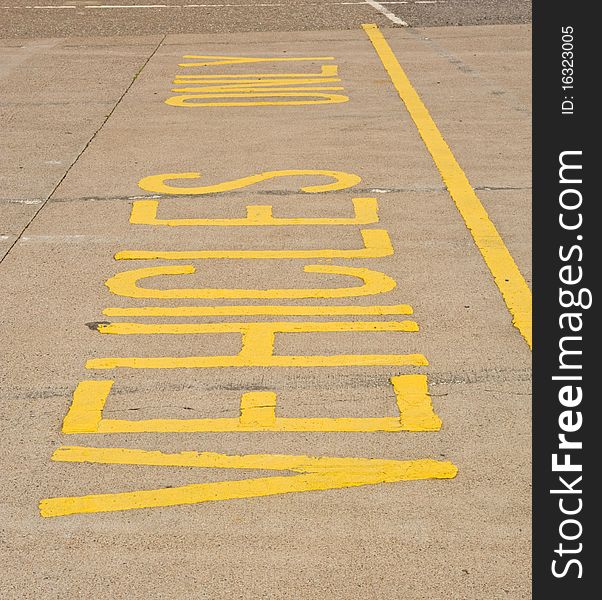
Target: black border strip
572	131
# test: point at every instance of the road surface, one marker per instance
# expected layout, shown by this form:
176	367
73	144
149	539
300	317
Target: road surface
266	310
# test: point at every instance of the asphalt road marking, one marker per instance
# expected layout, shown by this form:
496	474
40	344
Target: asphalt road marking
507	276
314	473
257	413
387	13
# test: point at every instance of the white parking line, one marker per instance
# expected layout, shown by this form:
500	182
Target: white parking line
385	11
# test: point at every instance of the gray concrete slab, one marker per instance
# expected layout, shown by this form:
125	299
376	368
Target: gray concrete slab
468	79
54	96
466	538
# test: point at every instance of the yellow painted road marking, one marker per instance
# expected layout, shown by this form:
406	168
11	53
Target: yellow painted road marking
239	311
325	71
257	413
315	473
213	362
415	405
184	100
257	345
144	212
241	90
258	410
261	81
252	360
249	91
246	85
213	61
254	331
374	282
377	244
508	278
85	414
157	185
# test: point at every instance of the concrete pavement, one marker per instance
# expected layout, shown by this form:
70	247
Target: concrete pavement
88	120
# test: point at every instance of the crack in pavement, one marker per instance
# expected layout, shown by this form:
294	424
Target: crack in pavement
83	150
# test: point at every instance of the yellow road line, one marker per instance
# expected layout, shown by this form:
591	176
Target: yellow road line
310	473
251	310
508	278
